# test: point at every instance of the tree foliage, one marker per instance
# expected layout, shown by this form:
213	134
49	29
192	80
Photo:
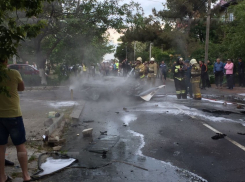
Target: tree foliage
76	30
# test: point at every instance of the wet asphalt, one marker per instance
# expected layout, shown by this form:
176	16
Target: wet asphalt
163	140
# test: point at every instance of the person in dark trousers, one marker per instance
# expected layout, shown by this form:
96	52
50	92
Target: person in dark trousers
229	73
164	70
219	73
188	78
234	73
179	79
203	74
240	70
207	79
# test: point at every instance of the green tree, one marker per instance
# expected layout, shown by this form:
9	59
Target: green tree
76	30
15	26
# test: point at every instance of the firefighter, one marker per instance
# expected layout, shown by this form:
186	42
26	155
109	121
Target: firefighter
179	79
139	69
195	79
152	72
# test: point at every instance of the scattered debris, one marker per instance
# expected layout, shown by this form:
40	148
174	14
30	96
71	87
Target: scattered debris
87	132
156	105
103	132
77	134
57	115
125	109
241	133
239	106
52	114
89	121
225	103
124	124
218	136
75	125
117	112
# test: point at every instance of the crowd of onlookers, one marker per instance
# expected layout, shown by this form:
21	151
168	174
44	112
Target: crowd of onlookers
227	69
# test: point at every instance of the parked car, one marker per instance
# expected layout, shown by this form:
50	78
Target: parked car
25	69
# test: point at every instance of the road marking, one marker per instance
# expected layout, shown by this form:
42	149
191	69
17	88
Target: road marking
227	138
216	131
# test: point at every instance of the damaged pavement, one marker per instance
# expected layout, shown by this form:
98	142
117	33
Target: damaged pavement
164	139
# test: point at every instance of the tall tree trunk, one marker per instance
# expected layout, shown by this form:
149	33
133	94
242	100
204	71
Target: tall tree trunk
41	63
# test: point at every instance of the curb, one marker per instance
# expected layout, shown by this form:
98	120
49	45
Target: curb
55	125
77	111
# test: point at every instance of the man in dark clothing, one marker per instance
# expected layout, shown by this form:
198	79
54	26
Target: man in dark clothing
240	70
164	70
219	73
203	74
179	79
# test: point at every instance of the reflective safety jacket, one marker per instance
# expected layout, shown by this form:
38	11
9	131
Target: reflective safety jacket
180	75
152	70
117	65
84	68
140	70
195	70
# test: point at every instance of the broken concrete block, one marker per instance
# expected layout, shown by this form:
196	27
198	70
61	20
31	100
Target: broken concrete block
87	132
57	148
48	122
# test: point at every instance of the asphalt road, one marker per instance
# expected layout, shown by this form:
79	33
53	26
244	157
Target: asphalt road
170	138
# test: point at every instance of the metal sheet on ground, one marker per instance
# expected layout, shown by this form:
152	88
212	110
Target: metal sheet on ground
103	144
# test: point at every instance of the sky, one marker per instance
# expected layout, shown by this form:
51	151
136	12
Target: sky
147	5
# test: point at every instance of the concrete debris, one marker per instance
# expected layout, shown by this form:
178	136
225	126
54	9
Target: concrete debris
57	148
52	114
87	132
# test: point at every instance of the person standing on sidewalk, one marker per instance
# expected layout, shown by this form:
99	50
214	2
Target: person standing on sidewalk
219	73
229	73
11	122
240	69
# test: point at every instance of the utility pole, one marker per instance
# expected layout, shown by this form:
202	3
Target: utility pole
150	51
126	52
207	31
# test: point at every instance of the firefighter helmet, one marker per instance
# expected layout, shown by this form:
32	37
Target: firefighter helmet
193	61
152	59
139	59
